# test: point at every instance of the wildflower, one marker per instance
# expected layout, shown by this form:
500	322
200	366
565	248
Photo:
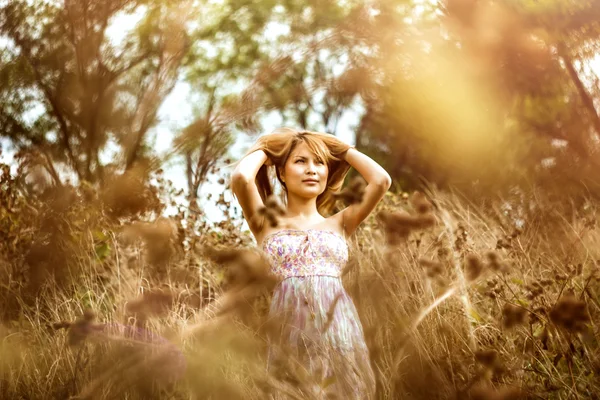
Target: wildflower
513	315
473	267
570	313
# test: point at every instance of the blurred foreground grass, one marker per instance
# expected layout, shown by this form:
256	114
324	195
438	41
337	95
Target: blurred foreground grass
495	301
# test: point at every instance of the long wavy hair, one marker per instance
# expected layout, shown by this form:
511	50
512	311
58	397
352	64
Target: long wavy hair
278	146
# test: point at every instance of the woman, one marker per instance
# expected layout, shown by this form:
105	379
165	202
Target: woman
319	335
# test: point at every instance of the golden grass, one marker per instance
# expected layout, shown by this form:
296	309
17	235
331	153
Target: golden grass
463	305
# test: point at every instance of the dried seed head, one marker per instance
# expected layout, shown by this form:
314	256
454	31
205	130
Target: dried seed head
570	313
488	358
404	220
88	315
432	268
513	315
220	255
273	203
492	256
353	193
473	267
152	302
560	277
61	325
398	225
420	203
426	220
272	211
272	219
248	277
495	263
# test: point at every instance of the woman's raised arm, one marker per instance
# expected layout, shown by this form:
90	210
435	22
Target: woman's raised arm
378	182
244	187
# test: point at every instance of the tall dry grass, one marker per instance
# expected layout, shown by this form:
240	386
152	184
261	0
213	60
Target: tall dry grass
458	300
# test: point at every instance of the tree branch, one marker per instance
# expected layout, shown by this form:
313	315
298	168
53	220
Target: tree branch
54	107
586	99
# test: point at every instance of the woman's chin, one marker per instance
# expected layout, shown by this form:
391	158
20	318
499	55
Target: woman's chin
309	192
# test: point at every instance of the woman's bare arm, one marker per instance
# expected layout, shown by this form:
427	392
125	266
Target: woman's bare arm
378	182
244	187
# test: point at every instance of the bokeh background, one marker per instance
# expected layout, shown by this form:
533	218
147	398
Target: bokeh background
119	122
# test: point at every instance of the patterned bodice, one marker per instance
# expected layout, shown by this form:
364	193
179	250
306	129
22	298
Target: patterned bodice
295	252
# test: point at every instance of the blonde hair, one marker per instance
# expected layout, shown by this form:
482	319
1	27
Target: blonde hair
278	146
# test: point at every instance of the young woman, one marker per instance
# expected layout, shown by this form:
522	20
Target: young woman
319	333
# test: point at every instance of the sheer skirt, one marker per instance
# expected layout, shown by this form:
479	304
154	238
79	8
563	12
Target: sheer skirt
317	343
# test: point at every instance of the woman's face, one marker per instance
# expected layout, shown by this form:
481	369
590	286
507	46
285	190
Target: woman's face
304	174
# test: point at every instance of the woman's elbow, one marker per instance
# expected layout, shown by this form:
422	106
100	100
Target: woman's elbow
238	177
384	182
237	181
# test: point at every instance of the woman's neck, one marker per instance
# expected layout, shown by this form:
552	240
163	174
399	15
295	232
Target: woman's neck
302	209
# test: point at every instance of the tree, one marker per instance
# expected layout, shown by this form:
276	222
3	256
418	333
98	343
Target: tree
249	36
479	92
68	92
288	70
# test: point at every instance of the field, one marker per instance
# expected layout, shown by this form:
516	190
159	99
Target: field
458	300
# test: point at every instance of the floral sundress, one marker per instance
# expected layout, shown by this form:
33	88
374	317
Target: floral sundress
318	334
